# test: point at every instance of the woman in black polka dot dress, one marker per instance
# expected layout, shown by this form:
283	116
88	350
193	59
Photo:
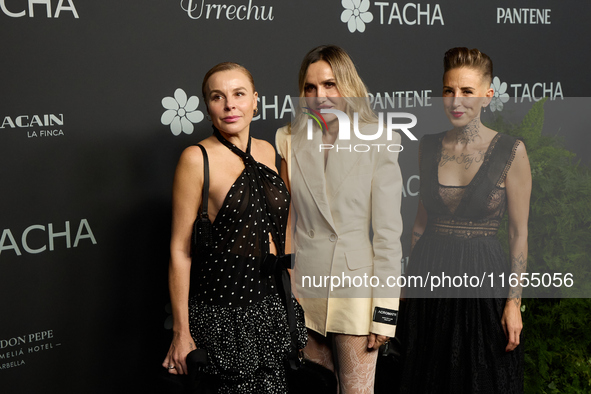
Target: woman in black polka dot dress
226	299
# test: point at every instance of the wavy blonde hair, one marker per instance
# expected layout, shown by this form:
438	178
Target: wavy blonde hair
348	81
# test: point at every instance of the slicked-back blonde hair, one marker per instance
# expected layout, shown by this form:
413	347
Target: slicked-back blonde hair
225	66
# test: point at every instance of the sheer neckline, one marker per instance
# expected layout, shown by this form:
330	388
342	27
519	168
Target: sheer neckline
226	202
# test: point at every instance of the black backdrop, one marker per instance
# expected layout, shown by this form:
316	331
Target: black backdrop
87	163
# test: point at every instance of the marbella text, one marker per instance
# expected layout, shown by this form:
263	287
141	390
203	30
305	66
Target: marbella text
441	280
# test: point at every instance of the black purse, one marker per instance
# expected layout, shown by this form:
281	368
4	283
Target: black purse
388	368
201	239
310	378
303	376
198	381
194	382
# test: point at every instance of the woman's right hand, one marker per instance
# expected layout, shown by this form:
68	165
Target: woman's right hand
181	345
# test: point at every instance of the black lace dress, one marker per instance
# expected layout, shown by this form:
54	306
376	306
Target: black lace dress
453	341
235	310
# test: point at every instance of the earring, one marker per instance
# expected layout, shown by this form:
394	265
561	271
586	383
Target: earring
208	117
256	111
484	110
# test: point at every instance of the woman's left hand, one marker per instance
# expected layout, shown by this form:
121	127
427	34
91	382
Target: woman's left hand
374	341
512	324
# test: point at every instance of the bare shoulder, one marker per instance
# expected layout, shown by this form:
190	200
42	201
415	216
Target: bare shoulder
263	145
264	151
519	173
519	156
193	156
520	150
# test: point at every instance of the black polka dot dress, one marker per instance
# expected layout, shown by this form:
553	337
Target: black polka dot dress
235	311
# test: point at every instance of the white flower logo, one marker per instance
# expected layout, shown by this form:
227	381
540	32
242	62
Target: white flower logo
356	15
181	113
500	97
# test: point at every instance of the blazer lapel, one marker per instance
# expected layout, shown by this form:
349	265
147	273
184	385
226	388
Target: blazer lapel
340	163
310	162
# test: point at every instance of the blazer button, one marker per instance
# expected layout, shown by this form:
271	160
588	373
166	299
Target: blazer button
333	237
311	233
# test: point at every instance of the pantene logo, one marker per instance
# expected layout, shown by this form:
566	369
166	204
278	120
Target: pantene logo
21	8
524	16
197	9
357	14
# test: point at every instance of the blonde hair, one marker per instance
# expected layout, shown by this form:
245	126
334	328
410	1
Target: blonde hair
348	81
470	58
225	66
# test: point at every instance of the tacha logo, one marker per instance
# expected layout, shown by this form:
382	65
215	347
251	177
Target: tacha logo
181	113
356	14
13	13
523	92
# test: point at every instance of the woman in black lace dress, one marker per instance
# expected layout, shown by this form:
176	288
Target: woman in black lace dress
231	305
463	339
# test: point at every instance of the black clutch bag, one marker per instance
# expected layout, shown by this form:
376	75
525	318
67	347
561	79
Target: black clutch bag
389	367
194	382
201	239
311	378
303	376
197	382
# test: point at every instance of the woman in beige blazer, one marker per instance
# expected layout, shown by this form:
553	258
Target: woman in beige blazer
345	220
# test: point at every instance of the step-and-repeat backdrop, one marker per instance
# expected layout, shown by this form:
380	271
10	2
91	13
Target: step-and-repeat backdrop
87	158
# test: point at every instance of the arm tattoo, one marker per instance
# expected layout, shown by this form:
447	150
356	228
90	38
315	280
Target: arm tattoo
519	263
518	266
413	240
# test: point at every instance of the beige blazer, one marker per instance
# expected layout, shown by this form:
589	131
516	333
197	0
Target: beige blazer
334	214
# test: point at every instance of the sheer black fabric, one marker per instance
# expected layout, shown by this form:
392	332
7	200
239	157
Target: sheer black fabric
454	343
234	309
